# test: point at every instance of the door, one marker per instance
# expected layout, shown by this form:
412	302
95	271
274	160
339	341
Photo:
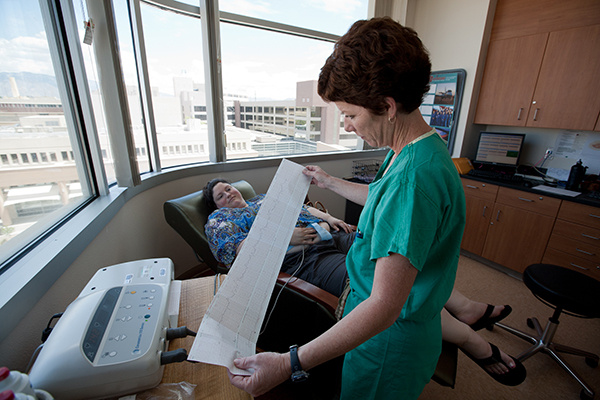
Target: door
509	79
516	238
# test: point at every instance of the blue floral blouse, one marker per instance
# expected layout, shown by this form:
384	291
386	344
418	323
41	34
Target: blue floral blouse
227	227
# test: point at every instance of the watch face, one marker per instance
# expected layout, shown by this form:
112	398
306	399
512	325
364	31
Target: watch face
299	376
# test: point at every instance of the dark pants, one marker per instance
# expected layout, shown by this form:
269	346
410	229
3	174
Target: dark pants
322	264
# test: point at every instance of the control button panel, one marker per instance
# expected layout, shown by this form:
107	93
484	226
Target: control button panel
131	324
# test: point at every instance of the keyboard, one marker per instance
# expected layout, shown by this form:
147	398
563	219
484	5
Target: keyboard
495	175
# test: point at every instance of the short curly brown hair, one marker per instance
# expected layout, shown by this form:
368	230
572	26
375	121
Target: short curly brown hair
375	59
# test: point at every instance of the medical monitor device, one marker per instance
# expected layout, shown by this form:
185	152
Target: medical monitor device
500	148
111	340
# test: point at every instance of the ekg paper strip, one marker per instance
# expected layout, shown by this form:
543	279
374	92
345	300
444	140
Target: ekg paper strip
231	325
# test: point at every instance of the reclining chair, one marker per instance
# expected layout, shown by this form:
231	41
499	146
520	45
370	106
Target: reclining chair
314	308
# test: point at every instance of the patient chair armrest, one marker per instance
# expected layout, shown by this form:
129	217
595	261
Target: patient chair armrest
311	291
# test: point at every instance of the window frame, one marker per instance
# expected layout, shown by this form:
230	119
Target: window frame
32	275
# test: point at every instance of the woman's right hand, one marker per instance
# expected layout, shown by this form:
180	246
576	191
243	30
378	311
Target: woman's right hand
270	370
319	177
304	236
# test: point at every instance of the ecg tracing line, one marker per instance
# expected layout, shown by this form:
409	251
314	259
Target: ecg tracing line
231	325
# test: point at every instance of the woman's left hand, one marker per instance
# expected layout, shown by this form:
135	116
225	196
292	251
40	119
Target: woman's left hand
338	224
270	369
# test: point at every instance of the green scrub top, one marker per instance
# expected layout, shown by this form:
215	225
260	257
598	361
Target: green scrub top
417	210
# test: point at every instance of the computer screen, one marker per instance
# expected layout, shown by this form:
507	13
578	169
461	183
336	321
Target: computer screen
500	148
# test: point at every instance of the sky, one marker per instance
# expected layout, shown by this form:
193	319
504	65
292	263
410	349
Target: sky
258	64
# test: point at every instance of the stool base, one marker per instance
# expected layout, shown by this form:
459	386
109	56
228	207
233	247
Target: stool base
543	342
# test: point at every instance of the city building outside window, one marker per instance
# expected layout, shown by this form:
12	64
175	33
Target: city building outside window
34	95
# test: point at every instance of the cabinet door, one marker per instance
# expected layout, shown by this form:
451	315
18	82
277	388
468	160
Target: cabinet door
566	95
479	212
517	238
509	78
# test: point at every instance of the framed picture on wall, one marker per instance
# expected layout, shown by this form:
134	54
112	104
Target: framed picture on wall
441	106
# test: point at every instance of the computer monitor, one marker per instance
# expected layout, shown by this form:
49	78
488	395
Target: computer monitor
499	148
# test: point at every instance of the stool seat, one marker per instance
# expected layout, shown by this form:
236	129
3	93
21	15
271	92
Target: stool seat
564	288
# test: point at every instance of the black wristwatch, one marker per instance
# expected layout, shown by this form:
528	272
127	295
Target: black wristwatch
298	374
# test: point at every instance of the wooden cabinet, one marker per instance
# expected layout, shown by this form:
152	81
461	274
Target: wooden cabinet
515	18
520	227
509	227
575	241
515	229
509	79
566	93
546	80
480	199
541	65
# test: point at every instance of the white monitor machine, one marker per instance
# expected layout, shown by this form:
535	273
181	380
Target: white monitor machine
109	341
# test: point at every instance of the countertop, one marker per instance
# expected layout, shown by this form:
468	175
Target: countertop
528	186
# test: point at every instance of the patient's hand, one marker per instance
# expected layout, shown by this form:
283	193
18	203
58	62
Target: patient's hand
304	236
338	224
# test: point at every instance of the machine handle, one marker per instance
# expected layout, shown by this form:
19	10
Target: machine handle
169	357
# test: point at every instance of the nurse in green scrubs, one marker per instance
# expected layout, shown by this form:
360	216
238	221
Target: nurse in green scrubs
403	262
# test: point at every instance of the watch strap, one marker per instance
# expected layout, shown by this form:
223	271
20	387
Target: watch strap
294	359
298	374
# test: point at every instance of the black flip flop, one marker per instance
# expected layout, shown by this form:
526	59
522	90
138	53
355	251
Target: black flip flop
515	376
486	320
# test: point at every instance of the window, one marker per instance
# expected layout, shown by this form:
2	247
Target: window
176	73
328	16
259	77
35	199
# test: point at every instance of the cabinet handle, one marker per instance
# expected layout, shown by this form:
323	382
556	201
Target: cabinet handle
524	199
577	266
472	187
590	237
484	208
595	216
535	114
586	252
498	215
519	116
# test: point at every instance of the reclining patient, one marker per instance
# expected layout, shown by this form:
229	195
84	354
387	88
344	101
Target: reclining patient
317	254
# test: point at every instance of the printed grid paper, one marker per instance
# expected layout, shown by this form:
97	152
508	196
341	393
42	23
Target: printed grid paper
230	327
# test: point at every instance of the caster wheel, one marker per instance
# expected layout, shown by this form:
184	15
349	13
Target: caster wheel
585	396
530	323
591	362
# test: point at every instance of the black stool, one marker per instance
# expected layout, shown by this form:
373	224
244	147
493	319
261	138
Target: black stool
564	290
